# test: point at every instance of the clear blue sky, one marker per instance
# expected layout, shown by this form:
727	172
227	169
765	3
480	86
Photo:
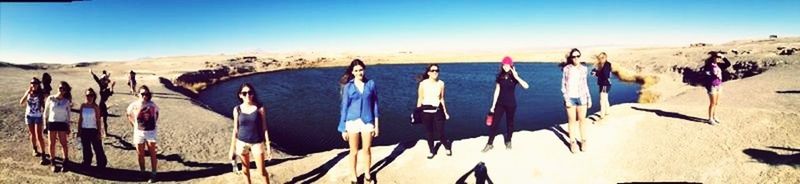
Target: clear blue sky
125	30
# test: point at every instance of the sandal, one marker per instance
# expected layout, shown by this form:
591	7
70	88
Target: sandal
573	147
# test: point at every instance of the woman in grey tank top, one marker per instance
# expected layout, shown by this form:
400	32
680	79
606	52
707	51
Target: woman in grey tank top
250	132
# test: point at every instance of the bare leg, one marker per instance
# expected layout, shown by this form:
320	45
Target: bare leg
53	136
353	140
583	125
711	108
62	138
38	133
140	155
32	136
151	146
366	142
261	167
571	112
714	111
604	104
246	166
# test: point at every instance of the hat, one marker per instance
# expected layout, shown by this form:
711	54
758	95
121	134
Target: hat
507	61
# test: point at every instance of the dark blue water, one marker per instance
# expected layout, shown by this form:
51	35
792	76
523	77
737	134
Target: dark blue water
303	105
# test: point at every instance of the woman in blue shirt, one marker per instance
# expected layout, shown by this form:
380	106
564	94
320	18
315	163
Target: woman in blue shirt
359	115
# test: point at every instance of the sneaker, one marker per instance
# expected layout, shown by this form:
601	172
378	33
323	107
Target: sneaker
152	178
583	145
431	156
487	148
449	153
508	145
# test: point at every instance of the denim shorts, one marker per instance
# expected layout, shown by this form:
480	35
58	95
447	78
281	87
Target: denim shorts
575	102
33	120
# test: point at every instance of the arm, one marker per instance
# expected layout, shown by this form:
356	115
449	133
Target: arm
564	84
97	120
266	132
233	134
726	63
494	97
343	111
80	119
444	107
129	114
69	115
586	90
519	79
25	97
46	112
419	95
96	79
375	111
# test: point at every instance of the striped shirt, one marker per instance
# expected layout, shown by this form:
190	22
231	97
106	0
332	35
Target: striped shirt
573	82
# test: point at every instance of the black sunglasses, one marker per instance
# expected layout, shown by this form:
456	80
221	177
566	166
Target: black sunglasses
145	94
246	93
434	70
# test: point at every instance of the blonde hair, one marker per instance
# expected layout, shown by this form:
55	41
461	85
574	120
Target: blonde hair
600	59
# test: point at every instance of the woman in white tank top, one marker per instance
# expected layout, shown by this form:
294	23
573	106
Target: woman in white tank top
88	131
431	101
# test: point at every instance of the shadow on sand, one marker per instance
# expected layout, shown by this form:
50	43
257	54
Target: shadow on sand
773	158
317	173
481	175
672	115
788	92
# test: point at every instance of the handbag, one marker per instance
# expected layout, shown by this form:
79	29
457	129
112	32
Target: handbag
489	119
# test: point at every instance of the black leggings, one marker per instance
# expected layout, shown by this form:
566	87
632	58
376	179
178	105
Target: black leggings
434	123
104	115
499	110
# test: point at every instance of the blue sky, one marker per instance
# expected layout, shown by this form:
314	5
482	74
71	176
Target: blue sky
125	30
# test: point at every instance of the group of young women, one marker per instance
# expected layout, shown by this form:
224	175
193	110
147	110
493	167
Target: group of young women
358	122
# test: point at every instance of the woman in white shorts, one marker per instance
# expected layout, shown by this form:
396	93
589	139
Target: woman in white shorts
358	122
142	115
250	132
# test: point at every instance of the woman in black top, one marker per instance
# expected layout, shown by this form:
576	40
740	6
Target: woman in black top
504	101
602	70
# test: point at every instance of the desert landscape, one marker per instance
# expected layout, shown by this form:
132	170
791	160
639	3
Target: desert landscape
663	138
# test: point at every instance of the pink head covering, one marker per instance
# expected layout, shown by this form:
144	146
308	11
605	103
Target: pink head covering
507	61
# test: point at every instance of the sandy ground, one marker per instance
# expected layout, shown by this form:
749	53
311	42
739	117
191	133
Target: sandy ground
757	141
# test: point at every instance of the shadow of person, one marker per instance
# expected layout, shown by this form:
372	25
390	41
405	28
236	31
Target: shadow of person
773	158
561	134
317	173
481	175
124	145
398	150
788	92
672	115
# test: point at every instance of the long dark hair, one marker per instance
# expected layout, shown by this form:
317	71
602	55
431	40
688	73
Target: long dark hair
144	87
252	90
348	73
37	91
67	90
712	58
91	92
425	75
570	59
46	80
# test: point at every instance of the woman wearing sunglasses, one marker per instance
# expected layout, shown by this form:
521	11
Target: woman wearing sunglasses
91	137
57	112
504	101
250	133
576	98
430	99
33	99
358	122
142	116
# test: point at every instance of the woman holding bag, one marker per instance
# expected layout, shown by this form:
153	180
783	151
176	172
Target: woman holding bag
504	101
434	112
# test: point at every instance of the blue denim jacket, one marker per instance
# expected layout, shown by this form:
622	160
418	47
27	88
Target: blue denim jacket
357	105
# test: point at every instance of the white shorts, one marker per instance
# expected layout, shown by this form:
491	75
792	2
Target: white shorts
243	148
142	136
358	125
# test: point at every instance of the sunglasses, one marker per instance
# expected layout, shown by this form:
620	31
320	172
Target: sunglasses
90	95
359	70
145	94
246	93
434	70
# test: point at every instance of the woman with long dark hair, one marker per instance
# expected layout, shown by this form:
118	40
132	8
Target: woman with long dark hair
576	98
504	101
89	127
250	133
430	99
46	80
359	115
142	116
714	66
57	112
33	99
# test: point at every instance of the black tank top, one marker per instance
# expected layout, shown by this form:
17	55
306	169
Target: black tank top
507	86
250	130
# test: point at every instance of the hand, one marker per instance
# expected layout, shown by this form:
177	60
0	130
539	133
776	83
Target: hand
491	110
446	116
375	132
269	154
589	105
344	136
566	103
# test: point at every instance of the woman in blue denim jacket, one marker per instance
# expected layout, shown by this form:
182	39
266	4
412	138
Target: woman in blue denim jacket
359	115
